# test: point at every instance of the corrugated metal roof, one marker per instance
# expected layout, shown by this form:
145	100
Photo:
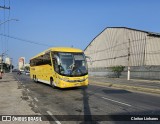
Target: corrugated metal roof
149	33
65	49
135	30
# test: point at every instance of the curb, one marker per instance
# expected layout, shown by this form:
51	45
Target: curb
142	89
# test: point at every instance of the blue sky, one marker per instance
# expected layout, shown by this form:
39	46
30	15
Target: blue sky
70	22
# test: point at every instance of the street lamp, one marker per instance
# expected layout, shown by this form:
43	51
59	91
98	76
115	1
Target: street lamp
8	21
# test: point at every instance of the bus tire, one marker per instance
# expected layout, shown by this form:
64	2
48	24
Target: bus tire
51	83
35	79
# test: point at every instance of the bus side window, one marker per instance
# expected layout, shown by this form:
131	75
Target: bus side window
46	59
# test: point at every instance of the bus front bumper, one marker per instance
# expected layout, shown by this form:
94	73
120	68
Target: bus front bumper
73	83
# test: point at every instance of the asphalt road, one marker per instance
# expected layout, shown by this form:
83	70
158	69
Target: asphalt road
92	100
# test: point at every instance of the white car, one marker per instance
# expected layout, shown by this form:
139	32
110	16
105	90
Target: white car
27	73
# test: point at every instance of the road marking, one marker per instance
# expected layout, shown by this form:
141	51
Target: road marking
35	99
28	90
58	122
116	101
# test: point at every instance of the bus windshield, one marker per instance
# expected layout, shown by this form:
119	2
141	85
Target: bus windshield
72	64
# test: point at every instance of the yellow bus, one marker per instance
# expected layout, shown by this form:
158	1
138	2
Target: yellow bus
62	67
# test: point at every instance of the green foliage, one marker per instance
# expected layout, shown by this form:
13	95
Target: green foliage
27	68
117	70
6	67
22	68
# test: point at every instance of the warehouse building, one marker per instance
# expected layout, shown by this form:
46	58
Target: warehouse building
122	46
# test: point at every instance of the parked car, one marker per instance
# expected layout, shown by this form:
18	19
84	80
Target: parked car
15	70
19	72
27	73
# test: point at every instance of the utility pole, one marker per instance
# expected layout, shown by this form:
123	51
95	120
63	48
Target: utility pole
4	7
1	67
2	62
129	53
11	65
3	54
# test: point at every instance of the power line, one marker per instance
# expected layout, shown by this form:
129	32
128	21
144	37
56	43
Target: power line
111	58
4	7
24	40
3	29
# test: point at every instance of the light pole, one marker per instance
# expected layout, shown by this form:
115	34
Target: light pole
129	54
11	65
1	62
3	54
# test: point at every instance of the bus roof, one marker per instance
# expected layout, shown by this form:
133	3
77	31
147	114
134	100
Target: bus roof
65	49
59	49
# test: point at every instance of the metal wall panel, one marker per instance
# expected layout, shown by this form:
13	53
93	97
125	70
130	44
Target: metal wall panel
111	48
153	51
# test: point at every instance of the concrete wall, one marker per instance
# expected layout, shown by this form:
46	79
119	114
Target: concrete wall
143	72
105	72
138	72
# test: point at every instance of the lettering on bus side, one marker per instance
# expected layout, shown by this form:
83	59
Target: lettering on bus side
32	68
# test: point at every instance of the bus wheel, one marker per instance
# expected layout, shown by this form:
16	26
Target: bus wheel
51	83
35	79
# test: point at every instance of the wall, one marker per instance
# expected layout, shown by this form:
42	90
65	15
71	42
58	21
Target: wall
143	72
137	72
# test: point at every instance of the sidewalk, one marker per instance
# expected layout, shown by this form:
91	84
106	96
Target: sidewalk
149	86
11	100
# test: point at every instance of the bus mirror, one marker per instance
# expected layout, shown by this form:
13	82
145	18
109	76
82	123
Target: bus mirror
90	60
57	58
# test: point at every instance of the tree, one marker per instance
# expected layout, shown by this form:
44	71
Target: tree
6	67
22	68
27	68
117	70
11	66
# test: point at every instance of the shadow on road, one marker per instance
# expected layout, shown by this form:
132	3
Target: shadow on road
87	111
117	91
